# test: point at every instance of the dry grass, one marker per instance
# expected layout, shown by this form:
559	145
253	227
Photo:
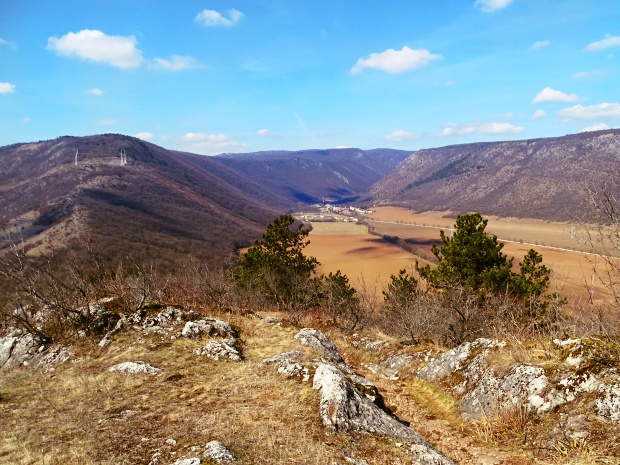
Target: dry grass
81	414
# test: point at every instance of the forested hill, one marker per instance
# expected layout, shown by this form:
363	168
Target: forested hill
536	178
308	176
159	205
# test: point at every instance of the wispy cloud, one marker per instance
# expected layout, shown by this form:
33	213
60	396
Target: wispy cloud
490	6
144	135
177	63
213	18
538	114
601	111
452	129
9	44
93	45
267	133
7	88
540	44
108	121
94	91
608	41
587	74
211	144
595	127
396	61
401	135
551	95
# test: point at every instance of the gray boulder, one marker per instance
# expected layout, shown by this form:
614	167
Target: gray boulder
391	366
218	453
224	349
133	368
343	408
187	461
288	364
208	327
317	341
16	349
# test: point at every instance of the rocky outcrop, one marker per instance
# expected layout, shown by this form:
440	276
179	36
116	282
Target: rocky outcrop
350	403
391	366
16	349
288	364
134	368
586	372
218	453
318	342
344	408
224	349
208	327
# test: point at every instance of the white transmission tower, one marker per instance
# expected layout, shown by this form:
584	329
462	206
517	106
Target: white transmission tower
123	157
76	158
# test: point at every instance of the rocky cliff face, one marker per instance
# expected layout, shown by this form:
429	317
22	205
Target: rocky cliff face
537	178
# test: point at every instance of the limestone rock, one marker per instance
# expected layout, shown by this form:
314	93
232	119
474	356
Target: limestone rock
218	452
209	327
523	386
224	349
165	322
343	408
458	358
608	403
371	345
391	366
272	320
317	341
187	461
288	365
132	368
16	349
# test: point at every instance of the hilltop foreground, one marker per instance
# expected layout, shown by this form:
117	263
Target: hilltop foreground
167	383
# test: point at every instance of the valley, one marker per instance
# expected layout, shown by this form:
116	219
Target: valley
369	259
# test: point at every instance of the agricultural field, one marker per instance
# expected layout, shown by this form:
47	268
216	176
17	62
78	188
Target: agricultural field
365	258
361	255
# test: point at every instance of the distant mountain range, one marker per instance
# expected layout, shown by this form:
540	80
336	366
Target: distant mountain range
165	205
536	178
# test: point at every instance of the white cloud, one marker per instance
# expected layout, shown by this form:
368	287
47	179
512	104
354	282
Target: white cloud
452	129
107	122
608	41
6	43
267	133
26	120
587	74
215	18
211	144
94	91
396	61
540	44
489	6
592	112
500	128
595	127
177	63
7	88
400	135
550	95
538	114
94	45
144	135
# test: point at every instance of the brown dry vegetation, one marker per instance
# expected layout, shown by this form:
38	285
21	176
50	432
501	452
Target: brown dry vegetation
81	414
573	268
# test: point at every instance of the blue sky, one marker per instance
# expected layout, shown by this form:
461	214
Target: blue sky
236	76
